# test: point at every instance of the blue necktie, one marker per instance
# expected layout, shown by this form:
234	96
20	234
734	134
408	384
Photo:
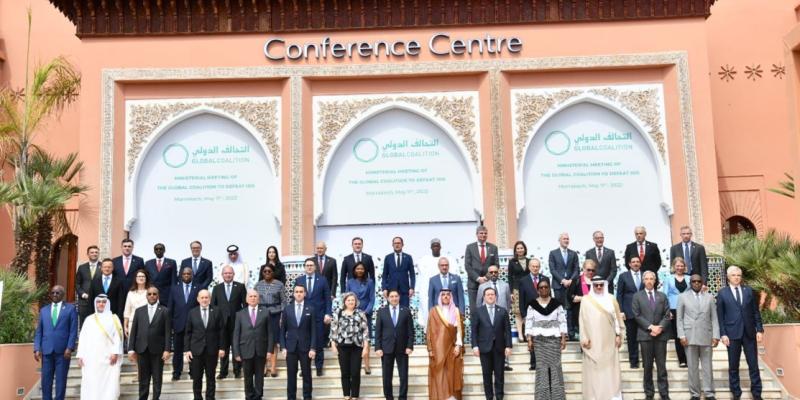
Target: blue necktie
687	257
310	284
636	280
105	284
298	313
185	293
565	255
394	316
194	266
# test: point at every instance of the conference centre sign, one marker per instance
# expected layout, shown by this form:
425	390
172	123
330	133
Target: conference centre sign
438	44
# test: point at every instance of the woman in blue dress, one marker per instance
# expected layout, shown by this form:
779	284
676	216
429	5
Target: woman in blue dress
364	288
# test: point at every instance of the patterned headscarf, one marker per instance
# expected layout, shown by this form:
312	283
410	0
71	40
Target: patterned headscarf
449	311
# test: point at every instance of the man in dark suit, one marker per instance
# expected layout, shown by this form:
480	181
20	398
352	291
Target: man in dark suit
445	280
182	298
252	341
351	260
564	268
83	281
54	342
605	259
394	342
149	343
163	272
125	266
319	298
477	258
326	266
528	292
694	254
648	252
628	284
228	298
398	273
111	285
202	270
651	312
740	328
298	341
491	341
206	343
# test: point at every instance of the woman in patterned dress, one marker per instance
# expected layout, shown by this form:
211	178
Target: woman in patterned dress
350	340
546	329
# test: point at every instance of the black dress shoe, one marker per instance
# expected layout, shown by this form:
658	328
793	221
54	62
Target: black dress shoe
694	398
635	365
508	368
709	398
237	375
648	398
176	378
319	372
220	376
757	398
735	397
532	368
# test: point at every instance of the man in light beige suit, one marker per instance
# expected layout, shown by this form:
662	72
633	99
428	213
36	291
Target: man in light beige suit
698	331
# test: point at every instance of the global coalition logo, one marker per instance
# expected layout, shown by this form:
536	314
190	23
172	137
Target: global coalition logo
557	143
175	155
365	150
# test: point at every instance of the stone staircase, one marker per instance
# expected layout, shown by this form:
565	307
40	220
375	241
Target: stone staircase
519	382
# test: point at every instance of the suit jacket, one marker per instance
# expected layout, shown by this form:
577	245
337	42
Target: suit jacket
697	319
350	261
179	307
559	270
136	264
229	308
488	336
250	341
330	272
454	283
116	293
150	337
527	293
645	315
607	267
83	281
400	277
320	297
698	258
298	338
472	262
208	339
50	339
503	293
626	288
652	256
394	339
204	274
737	321
165	279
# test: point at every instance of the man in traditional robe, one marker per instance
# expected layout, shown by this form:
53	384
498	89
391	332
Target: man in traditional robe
241	271
601	337
445	337
99	352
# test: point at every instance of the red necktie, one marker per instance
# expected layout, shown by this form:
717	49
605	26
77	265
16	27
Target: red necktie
483	253
158	265
641	252
535	281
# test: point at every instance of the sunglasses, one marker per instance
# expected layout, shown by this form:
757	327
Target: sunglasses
493	272
589	270
697	281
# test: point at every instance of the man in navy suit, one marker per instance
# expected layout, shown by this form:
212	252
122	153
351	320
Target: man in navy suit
298	341
693	254
202	270
628	284
162	272
394	342
648	253
125	267
446	280
491	341
528	292
54	342
351	260
740	328
398	273
319	298
564	267
182	298
109	284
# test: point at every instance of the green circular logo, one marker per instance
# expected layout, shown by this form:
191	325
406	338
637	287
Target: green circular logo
557	143
175	155
365	150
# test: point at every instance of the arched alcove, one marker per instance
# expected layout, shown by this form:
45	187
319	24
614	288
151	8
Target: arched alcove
206	178
590	167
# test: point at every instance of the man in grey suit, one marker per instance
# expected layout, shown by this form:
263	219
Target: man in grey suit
564	268
651	311
698	331
477	259
604	257
252	342
694	254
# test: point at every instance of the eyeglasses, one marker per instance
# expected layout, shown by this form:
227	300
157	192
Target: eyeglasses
697	281
152	294
494	272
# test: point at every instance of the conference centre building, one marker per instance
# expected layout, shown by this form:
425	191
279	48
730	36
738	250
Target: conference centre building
287	123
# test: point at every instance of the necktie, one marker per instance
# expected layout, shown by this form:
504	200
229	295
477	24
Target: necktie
394	316
228	291
564	256
92	268
599	254
253	316
535	283
186	293
194	266
298	313
310	284
445	281
491	315
687	257
636	280
641	252
205	318
738	296
483	253
150	312
158	265
321	262
105	283
652	300
494	286
397	263
127	264
55	314
358	258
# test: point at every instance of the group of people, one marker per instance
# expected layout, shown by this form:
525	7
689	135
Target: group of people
155	310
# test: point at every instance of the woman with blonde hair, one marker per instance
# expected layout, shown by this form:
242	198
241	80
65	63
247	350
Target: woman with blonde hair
350	341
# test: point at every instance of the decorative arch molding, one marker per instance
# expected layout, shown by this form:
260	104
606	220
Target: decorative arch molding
148	120
335	117
745	203
640	105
